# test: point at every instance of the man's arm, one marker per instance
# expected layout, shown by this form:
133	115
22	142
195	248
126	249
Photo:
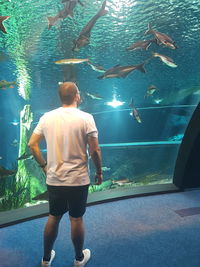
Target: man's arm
35	149
95	153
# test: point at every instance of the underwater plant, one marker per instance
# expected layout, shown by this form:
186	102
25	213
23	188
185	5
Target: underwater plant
16	193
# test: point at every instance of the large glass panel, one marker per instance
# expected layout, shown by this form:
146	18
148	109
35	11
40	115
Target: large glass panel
141	106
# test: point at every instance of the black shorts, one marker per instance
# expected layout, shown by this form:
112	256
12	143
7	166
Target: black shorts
67	198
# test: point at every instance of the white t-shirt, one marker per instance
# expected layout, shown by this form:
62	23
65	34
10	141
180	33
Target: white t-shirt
65	131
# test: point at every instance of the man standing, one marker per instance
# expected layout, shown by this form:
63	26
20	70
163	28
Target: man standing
68	132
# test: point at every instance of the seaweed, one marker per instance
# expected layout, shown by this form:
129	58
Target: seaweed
16	194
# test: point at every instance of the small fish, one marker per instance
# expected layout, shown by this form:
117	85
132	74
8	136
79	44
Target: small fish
135	112
143	45
71	61
1	157
119	71
96	67
84	36
167	60
120	182
2	19
105	169
151	90
97	97
161	38
5	85
25	155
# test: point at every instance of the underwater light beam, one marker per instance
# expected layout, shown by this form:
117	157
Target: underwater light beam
115	103
24	82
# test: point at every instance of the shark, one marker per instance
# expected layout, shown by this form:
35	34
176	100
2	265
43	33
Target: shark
142	45
84	36
161	38
119	71
2	27
67	11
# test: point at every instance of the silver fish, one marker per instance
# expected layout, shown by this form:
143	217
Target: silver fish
71	61
119	71
161	38
143	45
167	60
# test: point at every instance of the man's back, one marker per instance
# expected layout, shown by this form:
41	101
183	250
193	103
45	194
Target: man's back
66	131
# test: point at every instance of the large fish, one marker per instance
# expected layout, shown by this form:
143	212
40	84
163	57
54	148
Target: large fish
119	71
5	85
71	61
161	38
143	45
135	112
67	11
84	36
167	60
2	19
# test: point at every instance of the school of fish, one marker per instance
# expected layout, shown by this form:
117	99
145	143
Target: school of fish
117	71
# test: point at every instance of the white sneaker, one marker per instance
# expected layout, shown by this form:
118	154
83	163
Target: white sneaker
87	255
48	263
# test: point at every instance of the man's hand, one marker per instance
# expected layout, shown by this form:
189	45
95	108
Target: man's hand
98	179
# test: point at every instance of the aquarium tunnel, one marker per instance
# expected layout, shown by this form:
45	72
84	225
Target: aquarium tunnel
136	64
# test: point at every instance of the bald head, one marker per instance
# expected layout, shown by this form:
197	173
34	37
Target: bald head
68	92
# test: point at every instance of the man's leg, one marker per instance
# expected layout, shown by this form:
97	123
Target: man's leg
50	234
77	235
